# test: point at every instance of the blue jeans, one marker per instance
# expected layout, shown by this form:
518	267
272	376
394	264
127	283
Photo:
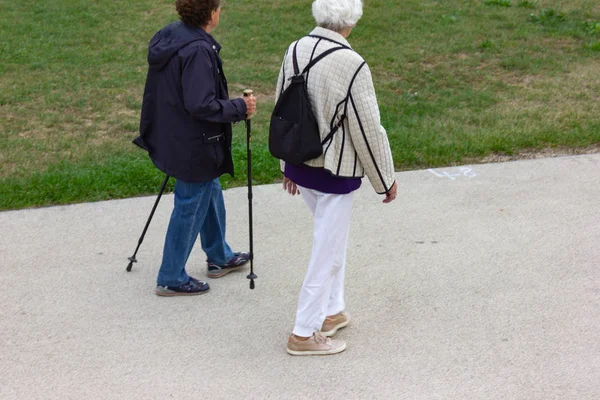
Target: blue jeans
199	210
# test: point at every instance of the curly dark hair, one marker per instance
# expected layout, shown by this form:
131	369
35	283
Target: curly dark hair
196	13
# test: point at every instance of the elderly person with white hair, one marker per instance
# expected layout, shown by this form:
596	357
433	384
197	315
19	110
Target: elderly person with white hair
343	101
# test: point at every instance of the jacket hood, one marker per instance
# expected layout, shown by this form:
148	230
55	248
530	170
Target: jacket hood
169	40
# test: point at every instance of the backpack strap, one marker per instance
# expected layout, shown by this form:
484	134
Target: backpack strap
345	101
320	57
314	61
295	63
312	55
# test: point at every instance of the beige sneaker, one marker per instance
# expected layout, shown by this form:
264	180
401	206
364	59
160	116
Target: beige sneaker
333	323
316	345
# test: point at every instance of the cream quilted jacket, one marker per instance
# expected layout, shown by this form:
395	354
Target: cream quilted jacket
360	147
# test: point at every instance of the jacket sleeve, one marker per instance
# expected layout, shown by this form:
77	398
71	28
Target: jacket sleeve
200	90
369	137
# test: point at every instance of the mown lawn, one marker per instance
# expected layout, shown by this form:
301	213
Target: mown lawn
457	81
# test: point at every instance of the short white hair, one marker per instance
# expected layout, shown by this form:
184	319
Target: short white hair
337	15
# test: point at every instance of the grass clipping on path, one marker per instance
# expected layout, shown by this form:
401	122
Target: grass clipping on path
457	81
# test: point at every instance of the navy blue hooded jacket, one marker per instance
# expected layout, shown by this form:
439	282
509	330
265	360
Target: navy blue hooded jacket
186	112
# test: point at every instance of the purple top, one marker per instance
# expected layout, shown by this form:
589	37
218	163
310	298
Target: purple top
320	179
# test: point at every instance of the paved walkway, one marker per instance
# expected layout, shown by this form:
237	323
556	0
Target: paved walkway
479	282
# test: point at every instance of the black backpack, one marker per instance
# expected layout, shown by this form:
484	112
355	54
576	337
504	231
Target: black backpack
294	132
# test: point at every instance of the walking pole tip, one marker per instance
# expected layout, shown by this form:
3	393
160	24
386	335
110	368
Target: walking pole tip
131	261
252	277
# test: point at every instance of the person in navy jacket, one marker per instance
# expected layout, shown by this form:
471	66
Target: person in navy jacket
186	128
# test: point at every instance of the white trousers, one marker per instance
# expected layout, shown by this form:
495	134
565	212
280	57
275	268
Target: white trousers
322	292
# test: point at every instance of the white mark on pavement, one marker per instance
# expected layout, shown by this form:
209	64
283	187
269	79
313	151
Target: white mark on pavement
464	172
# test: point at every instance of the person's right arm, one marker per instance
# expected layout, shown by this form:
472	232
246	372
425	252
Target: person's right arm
288	185
200	90
278	91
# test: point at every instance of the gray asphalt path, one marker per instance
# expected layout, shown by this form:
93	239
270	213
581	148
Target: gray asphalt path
478	282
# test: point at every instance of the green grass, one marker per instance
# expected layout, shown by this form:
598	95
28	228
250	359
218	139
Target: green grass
457	81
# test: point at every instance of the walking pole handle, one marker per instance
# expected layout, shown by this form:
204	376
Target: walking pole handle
252	276
249	93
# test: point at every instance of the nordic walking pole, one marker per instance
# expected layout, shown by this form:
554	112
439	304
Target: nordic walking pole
132	258
252	276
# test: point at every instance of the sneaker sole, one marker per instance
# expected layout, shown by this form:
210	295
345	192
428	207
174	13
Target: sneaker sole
316	352
337	328
175	294
224	272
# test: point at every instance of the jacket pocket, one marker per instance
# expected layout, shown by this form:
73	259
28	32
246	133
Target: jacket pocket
219	153
214	144
210	138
